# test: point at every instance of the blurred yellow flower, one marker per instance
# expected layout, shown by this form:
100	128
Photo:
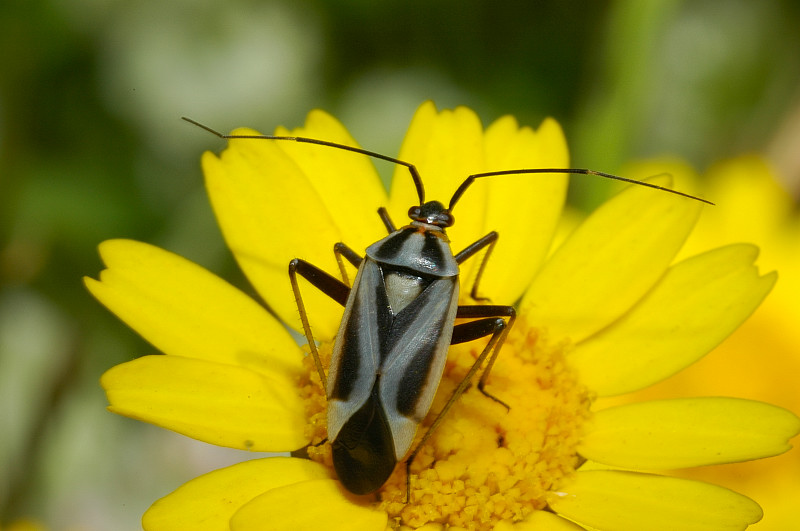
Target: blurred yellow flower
761	359
24	525
608	311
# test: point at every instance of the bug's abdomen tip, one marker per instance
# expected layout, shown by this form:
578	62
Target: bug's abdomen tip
363	452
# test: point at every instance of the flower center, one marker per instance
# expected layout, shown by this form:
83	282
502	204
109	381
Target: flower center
484	463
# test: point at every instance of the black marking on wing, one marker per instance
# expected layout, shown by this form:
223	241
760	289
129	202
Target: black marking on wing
419	369
349	361
384	318
414	379
394	244
363	452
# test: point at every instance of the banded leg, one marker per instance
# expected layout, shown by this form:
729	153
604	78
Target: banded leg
490	240
327	284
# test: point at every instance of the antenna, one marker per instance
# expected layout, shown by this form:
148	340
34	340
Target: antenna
464	185
577	171
411	168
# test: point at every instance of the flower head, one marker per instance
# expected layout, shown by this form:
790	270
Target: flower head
606	312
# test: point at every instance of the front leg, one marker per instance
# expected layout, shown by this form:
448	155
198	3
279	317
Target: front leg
330	286
490	240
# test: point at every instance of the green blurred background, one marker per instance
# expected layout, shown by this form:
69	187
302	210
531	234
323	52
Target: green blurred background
92	147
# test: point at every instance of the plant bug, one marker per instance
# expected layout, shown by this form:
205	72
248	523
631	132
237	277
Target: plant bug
399	321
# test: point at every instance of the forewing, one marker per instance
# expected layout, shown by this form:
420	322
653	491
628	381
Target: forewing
417	350
356	352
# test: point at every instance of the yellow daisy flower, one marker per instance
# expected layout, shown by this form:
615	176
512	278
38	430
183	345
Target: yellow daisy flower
606	312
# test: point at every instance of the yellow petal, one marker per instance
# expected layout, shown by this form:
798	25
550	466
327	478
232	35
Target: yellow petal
753	206
539	521
625	501
682	433
212	402
609	262
266	198
698	303
523	209
209	501
346	182
446	147
182	309
315	504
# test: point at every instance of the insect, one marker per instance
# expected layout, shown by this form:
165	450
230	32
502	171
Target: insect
399	321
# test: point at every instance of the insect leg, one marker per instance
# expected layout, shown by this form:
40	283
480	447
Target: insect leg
490	240
330	286
491	321
474	330
342	250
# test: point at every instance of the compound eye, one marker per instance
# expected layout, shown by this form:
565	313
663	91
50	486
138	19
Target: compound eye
414	213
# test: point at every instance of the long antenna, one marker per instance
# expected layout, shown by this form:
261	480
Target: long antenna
578	171
464	185
411	168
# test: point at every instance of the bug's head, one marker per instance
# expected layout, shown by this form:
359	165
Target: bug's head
432	213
